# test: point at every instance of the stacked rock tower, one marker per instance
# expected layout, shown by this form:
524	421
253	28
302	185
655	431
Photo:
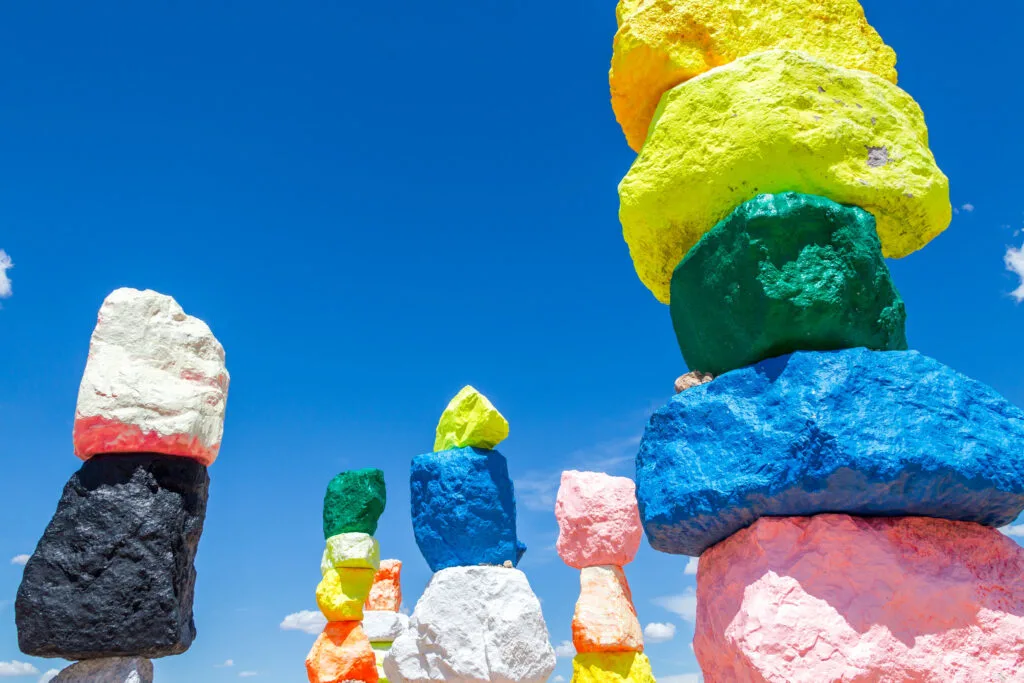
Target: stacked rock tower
843	492
599	533
478	619
353	505
112	580
382	617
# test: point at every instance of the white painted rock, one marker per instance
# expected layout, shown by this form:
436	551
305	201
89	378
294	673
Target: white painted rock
155	381
384	627
474	625
108	670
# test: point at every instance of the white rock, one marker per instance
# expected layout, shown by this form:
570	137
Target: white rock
353	549
155	381
108	670
384	627
474	625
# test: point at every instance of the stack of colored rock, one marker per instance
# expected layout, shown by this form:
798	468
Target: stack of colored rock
353	504
778	164
111	581
599	533
478	619
382	620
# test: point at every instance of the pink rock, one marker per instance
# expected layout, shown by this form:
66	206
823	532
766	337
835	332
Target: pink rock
598	520
840	598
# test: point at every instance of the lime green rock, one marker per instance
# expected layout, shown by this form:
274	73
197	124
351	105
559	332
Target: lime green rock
470	420
354	502
356	550
783	273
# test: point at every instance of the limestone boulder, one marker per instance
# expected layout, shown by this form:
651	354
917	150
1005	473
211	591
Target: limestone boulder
839	598
470	420
386	592
384	627
474	625
598	521
354	502
109	670
605	619
341	653
154	382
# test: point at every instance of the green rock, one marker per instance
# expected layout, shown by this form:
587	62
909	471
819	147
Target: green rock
354	502
782	273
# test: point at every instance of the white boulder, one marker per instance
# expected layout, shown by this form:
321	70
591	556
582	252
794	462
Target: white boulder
384	627
155	381
474	625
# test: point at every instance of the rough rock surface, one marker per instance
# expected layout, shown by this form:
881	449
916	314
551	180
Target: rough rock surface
882	433
384	627
605	619
838	598
342	592
692	379
341	653
354	502
598	521
355	550
783	273
662	44
380	651
155	381
612	667
386	592
110	670
470	420
464	508
113	574
776	122
474	625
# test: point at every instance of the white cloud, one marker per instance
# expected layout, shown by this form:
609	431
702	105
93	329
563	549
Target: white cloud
684	604
16	668
1015	530
5	282
227	663
247	674
558	679
967	207
657	632
565	649
691	567
306	621
20	560
49	676
1014	260
681	678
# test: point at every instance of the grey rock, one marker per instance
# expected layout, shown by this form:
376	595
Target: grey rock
108	670
113	574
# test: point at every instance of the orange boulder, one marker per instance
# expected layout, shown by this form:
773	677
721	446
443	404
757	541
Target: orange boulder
605	619
341	653
386	593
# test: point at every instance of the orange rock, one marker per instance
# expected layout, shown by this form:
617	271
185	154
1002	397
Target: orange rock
386	593
341	653
605	619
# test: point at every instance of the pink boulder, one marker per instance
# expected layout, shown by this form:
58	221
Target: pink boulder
840	598
598	520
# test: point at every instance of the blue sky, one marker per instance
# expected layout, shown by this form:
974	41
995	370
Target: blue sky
373	205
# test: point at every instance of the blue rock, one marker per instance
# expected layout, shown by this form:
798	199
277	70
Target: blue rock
464	508
874	433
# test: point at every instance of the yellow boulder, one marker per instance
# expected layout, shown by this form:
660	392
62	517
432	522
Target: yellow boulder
342	592
612	667
470	420
774	122
662	43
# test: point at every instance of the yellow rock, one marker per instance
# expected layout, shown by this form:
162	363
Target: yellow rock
662	43
470	420
342	592
612	667
774	122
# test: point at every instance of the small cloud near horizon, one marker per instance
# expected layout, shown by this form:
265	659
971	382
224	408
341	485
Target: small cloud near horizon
684	604
691	567
1014	262
1014	530
657	632
565	649
49	676
20	560
227	663
681	678
5	282
966	208
247	674
15	668
307	621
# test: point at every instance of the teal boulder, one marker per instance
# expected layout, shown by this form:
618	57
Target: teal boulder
354	502
783	273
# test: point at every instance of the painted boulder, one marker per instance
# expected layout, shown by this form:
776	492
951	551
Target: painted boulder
598	521
354	502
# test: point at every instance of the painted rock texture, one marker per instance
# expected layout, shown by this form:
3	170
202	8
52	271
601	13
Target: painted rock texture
353	550
881	433
776	122
341	653
354	502
470	420
605	620
783	273
598	521
464	508
384	627
612	667
838	598
110	670
155	381
662	44
386	592
474	625
342	592
113	573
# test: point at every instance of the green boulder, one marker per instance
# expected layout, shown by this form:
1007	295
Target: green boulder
782	273
354	502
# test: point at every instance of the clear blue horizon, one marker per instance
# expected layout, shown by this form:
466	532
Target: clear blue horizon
372	206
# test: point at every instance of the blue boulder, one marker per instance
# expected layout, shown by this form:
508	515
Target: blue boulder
464	508
873	433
